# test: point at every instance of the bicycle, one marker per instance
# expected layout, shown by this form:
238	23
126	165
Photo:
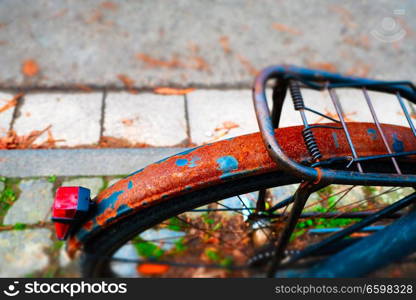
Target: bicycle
183	195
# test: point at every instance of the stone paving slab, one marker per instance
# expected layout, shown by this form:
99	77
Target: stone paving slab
94	184
23	252
215	115
201	43
74	118
150	119
79	162
34	203
7	115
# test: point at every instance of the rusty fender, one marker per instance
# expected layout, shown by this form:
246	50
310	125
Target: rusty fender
225	160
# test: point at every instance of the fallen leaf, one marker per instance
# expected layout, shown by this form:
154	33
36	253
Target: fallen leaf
359	69
127	122
84	88
247	65
152	269
11	103
109	5
30	68
208	273
150	61
199	63
362	41
346	16
13	141
172	91
326	66
225	44
284	28
112	142
227	125
128	83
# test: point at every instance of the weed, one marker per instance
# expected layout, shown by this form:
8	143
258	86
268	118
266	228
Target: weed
51	178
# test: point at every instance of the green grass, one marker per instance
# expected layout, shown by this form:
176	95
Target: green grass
19	226
175	224
7	197
52	178
215	257
147	249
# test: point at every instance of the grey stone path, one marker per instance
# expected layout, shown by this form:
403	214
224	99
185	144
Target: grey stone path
200	43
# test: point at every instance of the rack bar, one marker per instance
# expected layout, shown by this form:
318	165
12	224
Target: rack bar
338	108
380	130
406	113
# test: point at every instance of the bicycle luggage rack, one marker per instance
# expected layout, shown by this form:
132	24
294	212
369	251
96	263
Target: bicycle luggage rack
313	176
290	77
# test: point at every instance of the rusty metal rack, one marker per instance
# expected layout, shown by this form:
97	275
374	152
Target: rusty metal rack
290	78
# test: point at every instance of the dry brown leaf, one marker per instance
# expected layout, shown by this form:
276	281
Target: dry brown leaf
11	103
284	28
247	65
199	63
346	16
362	41
128	83
152	269
30	67
109	5
360	69
84	88
150	61
112	142
172	91
13	141
322	65
127	122
227	125
225	44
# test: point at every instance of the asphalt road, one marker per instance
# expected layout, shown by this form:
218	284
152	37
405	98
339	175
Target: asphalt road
200	43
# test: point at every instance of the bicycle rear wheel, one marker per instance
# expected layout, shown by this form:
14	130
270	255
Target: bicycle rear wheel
100	252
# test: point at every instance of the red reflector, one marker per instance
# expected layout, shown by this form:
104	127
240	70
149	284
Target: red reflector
71	204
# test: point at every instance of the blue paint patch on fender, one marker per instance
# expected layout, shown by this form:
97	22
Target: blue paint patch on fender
108	202
227	164
372	133
398	145
192	162
335	137
181	162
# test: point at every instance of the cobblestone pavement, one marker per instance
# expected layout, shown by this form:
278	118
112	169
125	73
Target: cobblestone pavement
28	246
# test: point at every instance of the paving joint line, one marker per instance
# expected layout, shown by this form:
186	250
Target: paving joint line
16	111
102	117
111	88
188	123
